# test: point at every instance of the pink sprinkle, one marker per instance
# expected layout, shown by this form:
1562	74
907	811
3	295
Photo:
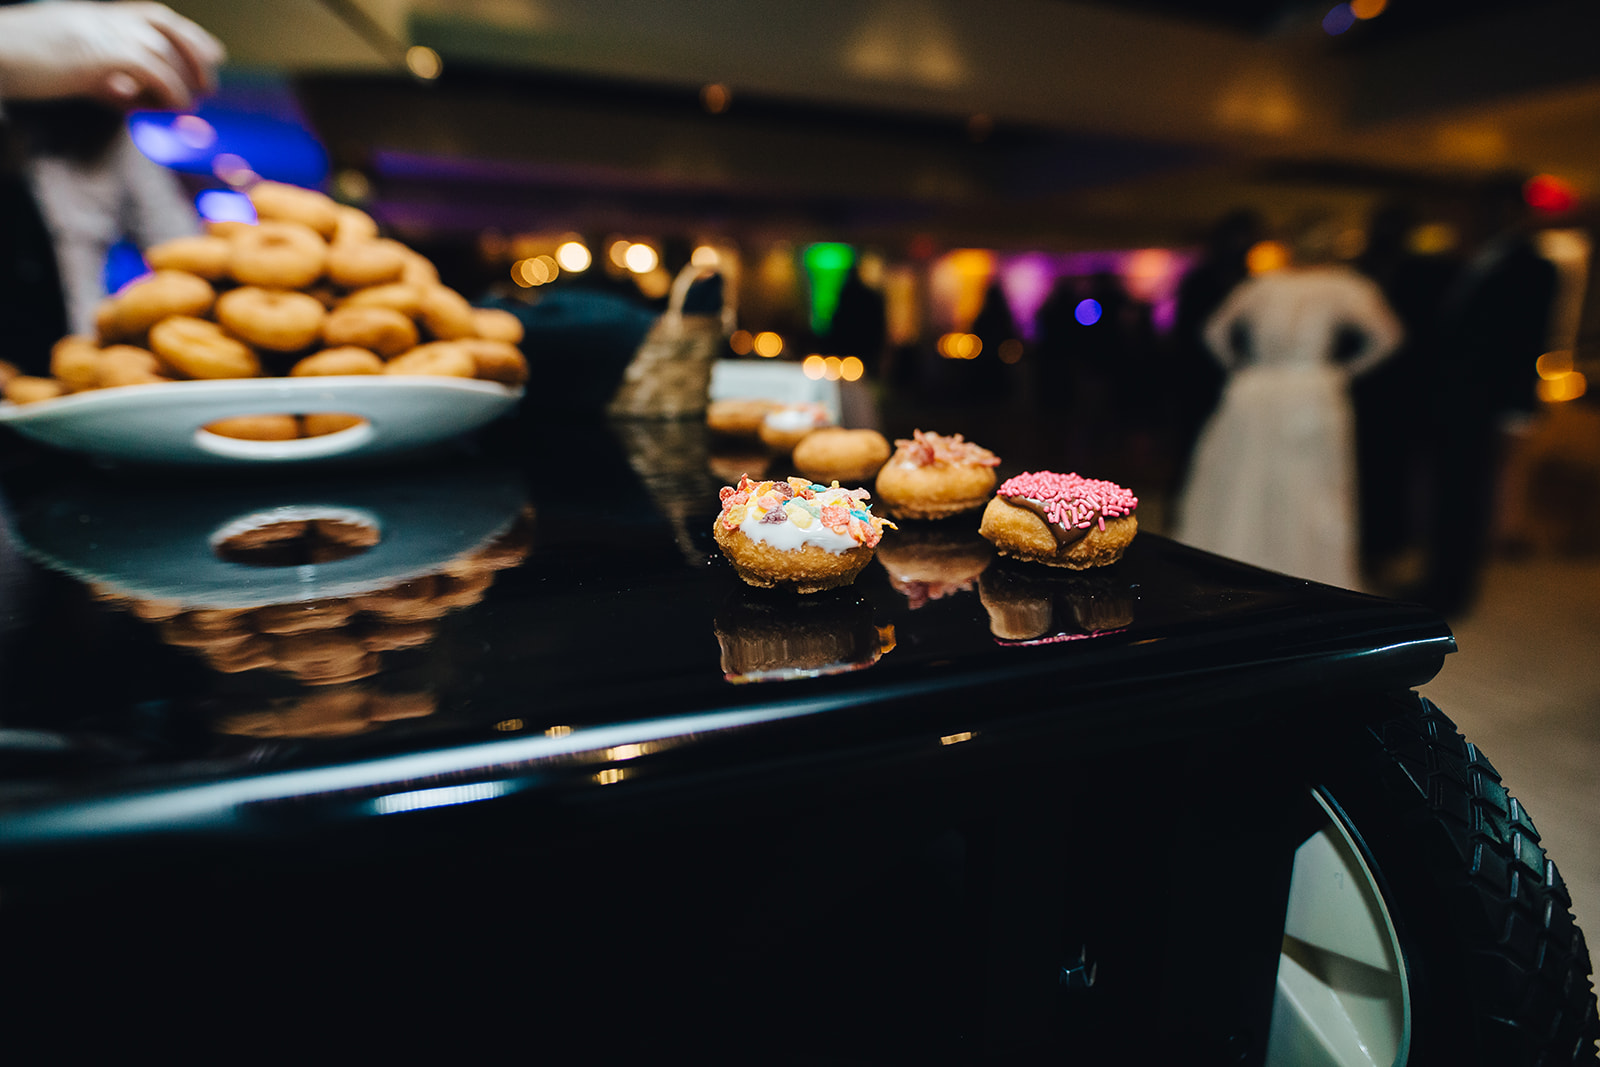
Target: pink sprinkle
1071	501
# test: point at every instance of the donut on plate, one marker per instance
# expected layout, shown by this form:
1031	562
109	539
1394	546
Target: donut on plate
933	476
381	329
1062	520
346	359
199	348
279	201
145	301
271	319
796	535
203	254
358	264
278	255
738	416
786	425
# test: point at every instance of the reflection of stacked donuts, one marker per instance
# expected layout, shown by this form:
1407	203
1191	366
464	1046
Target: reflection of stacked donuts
766	638
334	712
335	640
1027	608
311	289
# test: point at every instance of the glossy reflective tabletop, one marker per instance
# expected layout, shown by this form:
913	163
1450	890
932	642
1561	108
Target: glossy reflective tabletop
544	609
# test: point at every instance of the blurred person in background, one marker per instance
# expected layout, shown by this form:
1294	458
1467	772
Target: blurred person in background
1194	380
1273	477
1494	324
1390	436
72	183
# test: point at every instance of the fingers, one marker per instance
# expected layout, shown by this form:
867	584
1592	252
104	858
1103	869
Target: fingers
171	59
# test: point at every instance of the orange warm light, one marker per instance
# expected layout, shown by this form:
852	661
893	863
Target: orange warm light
767	344
1569	386
960	346
1553	365
1368	9
743	342
1265	256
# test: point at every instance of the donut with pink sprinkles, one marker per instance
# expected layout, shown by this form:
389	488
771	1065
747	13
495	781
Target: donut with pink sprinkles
1061	520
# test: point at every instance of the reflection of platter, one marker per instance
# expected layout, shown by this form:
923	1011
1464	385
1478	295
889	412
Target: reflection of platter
164	423
768	637
147	544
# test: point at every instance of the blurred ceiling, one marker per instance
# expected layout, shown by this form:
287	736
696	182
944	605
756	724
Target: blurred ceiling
1078	118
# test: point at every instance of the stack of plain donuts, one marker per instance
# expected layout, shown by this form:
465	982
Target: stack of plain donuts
309	289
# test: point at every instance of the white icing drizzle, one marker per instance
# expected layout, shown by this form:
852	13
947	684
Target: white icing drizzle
788	537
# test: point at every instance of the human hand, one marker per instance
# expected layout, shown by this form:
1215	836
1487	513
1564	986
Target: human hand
129	53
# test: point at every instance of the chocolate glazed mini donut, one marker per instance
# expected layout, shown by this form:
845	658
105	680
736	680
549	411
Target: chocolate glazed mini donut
1062	520
271	319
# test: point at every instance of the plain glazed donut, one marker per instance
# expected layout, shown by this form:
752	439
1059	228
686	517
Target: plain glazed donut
834	454
201	254
360	264
496	361
271	319
346	359
446	314
354	225
129	365
75	363
398	296
497	324
419	270
198	348
278	255
27	389
145	301
292	203
445	359
383	330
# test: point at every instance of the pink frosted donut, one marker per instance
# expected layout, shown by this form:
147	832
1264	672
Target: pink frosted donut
1062	520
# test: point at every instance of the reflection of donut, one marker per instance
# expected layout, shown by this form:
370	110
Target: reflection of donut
198	348
931	563
346	359
1038	606
766	638
272	319
144	302
359	264
446	314
834	454
1062	520
445	359
498	324
307	207
381	329
203	254
278	255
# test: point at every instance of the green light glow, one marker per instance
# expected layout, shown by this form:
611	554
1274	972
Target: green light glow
826	265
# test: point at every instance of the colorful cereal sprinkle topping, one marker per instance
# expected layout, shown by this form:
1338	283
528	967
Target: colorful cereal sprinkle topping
804	503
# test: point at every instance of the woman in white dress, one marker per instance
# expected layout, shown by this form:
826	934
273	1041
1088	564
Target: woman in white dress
1273	477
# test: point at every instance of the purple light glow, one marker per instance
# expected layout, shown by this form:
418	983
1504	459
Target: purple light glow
1338	20
1087	312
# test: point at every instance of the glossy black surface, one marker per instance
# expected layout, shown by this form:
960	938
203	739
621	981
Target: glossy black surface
550	613
498	751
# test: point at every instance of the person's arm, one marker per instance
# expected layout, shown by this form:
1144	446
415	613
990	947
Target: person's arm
128	53
1375	323
1219	329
